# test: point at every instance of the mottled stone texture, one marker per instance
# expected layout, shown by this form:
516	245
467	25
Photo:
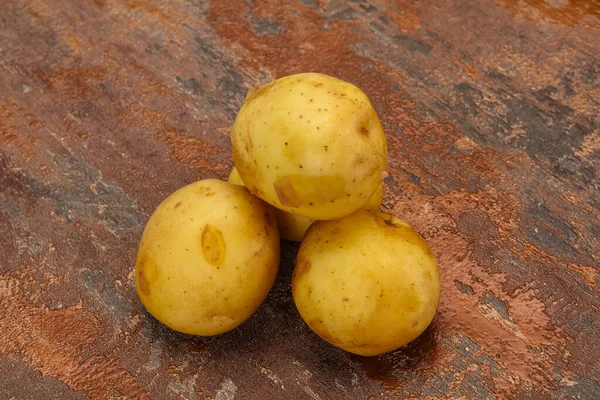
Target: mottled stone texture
491	113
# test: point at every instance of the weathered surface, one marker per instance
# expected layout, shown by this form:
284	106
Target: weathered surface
491	111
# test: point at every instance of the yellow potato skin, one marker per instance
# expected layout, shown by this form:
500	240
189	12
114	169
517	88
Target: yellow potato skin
310	144
208	258
367	283
293	227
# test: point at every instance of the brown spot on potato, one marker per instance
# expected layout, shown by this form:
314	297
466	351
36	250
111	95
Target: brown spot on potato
143	281
364	131
269	218
205	191
302	267
359	160
286	193
213	245
389	222
146	272
178	204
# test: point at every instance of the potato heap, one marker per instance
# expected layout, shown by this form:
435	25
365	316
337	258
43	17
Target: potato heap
310	156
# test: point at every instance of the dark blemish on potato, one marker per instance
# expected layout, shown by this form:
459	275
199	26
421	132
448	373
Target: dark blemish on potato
318	85
301	166
311	100
364	131
213	245
177	205
345	299
286	193
310	203
143	280
300	116
389	222
318	128
302	267
286	143
325	147
318	109
301	93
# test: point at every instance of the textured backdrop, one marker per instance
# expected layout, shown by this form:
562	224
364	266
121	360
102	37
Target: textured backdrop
491	114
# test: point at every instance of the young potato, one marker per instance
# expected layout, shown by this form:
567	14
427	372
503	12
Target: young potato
367	283
293	227
208	257
310	144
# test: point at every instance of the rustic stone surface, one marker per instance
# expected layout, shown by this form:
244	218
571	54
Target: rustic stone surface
491	111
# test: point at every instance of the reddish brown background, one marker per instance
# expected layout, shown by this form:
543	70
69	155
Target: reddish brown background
491	111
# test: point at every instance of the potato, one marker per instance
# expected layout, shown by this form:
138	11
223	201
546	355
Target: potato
310	144
367	283
208	257
293	227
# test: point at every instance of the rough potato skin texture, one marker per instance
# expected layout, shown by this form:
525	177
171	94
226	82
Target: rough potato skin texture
367	283
310	144
293	227
208	258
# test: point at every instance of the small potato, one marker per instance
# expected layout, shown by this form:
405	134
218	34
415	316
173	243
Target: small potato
367	283
293	227
310	144
208	257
